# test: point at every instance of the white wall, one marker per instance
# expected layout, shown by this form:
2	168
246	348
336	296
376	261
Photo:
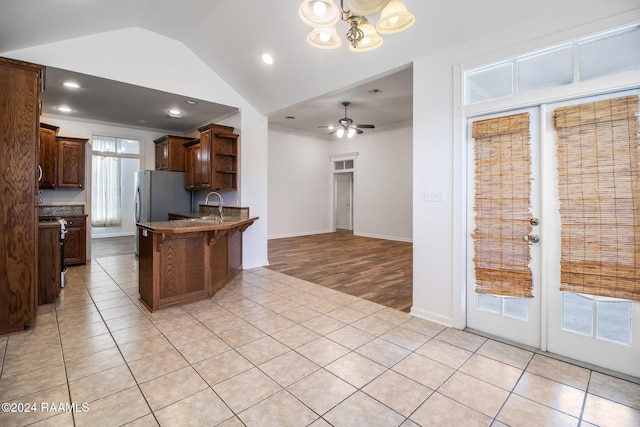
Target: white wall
179	71
301	184
382	183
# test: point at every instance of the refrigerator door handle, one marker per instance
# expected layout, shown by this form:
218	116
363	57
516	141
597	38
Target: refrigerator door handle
137	204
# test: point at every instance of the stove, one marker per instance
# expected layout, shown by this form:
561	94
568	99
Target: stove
63	232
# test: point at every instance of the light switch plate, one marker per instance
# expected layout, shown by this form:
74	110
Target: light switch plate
433	196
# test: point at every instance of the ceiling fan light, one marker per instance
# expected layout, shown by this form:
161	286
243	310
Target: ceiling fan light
319	13
340	133
351	132
370	40
395	18
324	38
366	7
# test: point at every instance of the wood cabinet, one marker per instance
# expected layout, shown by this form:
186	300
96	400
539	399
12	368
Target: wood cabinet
20	100
170	153
75	242
190	161
49	262
188	262
213	159
70	162
48	154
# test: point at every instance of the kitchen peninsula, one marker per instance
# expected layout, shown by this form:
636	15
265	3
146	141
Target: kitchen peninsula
188	259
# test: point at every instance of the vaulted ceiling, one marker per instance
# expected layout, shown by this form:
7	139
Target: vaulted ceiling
231	35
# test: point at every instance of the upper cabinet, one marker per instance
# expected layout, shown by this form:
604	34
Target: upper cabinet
61	160
71	162
213	159
48	154
170	153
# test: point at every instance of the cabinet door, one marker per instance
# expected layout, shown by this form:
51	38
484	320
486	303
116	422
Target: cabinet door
47	158
48	263
75	241
190	162
162	156
71	163
19	103
203	170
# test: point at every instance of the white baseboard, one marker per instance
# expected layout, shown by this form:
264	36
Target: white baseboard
432	317
258	264
377	236
103	236
306	233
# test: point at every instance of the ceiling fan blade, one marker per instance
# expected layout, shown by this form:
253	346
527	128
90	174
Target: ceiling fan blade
366	126
358	131
326	127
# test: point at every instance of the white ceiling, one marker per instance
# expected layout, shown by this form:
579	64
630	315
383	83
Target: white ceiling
308	83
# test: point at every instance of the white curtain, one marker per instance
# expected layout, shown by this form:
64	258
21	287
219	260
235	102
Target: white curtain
106	186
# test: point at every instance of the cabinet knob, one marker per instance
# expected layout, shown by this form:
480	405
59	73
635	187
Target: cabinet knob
70	222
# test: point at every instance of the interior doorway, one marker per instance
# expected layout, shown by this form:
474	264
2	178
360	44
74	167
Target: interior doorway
343	201
343	170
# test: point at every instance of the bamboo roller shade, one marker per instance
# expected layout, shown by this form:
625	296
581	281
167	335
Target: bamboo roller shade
599	187
502	206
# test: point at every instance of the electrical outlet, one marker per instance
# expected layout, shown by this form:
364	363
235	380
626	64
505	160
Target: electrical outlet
433	196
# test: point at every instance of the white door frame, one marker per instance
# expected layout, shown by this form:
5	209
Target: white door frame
352	157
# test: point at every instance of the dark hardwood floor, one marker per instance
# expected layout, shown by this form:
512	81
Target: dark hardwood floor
374	269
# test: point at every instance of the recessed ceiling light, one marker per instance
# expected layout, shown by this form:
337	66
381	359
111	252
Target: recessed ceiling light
191	101
375	91
72	85
64	109
175	112
267	59
142	121
290	117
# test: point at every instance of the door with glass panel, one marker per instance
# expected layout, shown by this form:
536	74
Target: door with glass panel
593	229
503	200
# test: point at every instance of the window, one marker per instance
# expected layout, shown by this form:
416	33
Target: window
601	55
106	197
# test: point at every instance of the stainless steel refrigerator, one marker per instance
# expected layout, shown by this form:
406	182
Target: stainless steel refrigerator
156	194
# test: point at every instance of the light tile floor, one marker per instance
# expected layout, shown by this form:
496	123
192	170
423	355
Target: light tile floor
272	350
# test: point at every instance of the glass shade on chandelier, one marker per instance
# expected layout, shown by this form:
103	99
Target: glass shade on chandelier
323	15
342	132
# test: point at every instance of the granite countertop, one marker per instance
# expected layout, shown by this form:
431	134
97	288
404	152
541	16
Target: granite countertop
196	224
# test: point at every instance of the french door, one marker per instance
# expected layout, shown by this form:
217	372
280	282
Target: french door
600	330
603	331
513	318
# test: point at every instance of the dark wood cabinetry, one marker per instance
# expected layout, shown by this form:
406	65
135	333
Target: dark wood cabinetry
71	158
48	155
61	160
49	262
75	242
212	161
20	100
170	153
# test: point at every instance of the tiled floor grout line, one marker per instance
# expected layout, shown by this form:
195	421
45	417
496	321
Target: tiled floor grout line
115	343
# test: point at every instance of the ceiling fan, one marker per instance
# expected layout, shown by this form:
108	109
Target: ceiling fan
346	127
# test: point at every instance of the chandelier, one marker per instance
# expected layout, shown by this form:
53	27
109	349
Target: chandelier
323	15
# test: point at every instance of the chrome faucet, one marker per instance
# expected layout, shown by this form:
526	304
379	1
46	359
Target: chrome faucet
206	202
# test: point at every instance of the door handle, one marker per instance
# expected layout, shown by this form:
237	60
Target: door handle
533	238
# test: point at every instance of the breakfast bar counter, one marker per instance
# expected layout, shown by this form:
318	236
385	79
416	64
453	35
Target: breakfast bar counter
188	260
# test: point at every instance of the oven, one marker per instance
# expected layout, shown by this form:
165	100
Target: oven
63	232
